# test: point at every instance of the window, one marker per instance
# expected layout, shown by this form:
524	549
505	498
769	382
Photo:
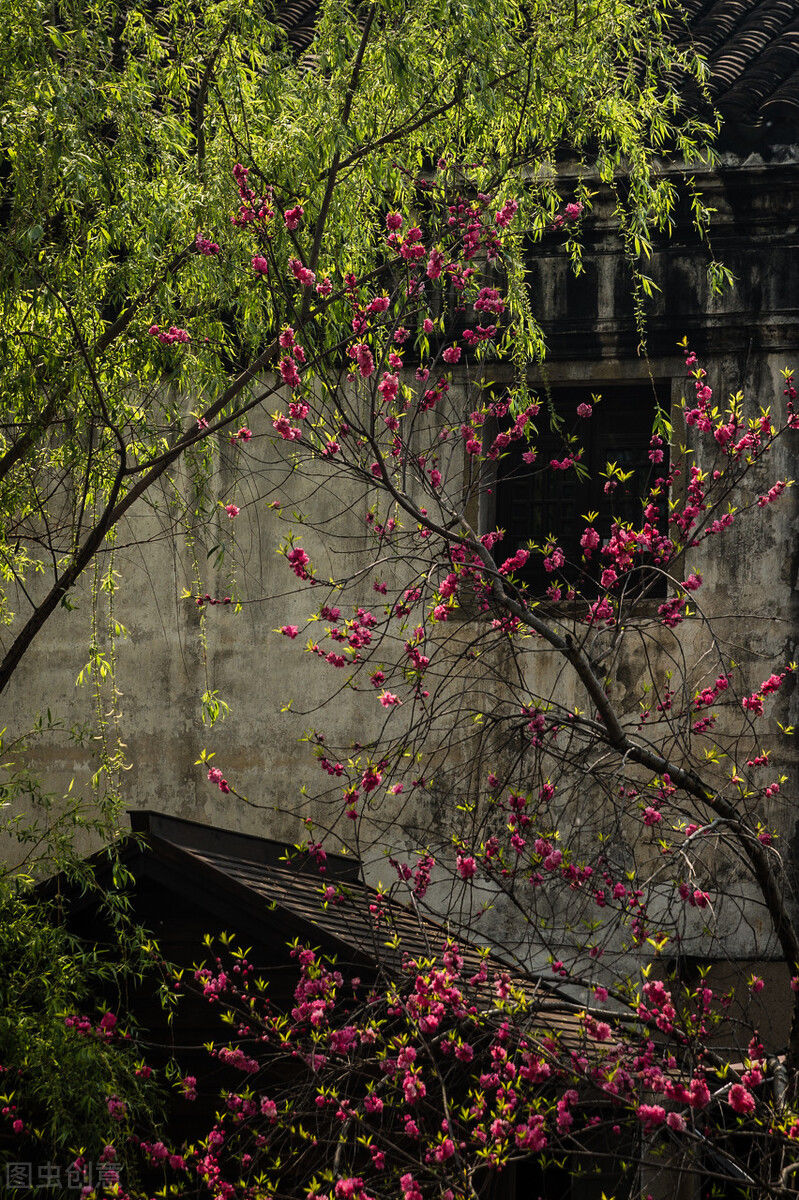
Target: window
606	1166
535	502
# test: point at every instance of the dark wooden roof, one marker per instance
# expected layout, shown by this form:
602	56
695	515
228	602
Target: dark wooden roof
194	837
288	887
298	18
752	47
248	886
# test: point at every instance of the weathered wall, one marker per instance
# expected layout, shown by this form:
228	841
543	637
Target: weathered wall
743	339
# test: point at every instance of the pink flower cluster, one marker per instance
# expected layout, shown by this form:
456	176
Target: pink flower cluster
293	216
203	245
170	336
506	214
215	776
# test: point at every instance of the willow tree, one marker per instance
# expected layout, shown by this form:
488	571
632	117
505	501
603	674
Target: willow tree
120	127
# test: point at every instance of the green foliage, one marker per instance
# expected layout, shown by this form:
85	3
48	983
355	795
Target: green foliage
119	126
58	1078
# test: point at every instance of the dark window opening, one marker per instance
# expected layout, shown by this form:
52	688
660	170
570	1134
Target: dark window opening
606	1166
535	503
733	1168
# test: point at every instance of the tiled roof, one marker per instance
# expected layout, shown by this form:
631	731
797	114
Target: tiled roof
290	897
296	888
298	18
752	48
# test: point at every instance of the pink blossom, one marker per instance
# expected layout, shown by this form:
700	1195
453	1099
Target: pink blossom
215	776
289	631
651	1115
116	1108
388	387
393	221
410	1188
174	334
289	373
298	561
452	354
293	216
555	560
435	264
204	246
515	563
232	510
371	779
302	274
506	214
445	1150
259	264
363	356
741	1100
590	540
466	866
388	699
600	610
584	411
699	1096
286	430
773	493
489	300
